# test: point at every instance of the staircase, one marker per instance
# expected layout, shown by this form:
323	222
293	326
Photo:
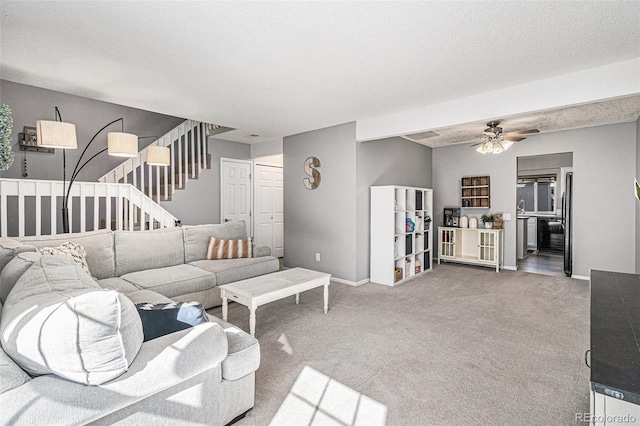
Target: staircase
32	207
189	156
126	198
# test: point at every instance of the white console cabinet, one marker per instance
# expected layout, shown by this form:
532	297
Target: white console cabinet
476	246
397	252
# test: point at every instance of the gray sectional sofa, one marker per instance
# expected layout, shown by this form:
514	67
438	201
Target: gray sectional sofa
201	375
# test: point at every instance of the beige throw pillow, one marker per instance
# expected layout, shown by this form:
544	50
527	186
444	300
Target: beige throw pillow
228	249
76	251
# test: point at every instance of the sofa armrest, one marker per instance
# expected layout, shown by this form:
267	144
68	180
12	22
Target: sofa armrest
260	250
161	364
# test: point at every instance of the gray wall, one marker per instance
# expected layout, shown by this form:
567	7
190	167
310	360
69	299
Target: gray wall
199	202
334	219
268	151
549	161
638	202
322	220
604	161
393	161
29	103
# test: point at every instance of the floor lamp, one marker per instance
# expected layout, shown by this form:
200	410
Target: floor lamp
58	134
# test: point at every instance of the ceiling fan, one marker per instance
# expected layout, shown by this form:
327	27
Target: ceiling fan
495	141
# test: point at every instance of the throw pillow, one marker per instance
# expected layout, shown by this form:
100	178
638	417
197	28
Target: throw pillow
57	320
159	319
228	249
76	251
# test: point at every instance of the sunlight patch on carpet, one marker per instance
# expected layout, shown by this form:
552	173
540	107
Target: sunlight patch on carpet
285	344
317	399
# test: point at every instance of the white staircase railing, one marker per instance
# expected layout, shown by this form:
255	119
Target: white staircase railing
92	206
188	144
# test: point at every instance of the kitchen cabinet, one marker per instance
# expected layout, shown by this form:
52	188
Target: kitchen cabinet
522	231
474	246
532	233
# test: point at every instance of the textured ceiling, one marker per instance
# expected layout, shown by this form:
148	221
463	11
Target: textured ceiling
594	114
279	68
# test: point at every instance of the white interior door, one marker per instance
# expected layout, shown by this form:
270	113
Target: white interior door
235	191
269	208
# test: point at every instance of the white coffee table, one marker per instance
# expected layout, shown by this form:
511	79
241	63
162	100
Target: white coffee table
254	292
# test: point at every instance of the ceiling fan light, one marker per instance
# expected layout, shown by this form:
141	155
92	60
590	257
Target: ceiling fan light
498	149
506	144
486	148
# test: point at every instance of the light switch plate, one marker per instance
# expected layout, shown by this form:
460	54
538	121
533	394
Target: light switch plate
506	216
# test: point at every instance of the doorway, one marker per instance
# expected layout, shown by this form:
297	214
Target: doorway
544	216
236	191
254	192
268	202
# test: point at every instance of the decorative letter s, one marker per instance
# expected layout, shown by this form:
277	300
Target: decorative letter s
312	161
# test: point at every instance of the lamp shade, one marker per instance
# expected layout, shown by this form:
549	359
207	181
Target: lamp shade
122	144
158	155
56	134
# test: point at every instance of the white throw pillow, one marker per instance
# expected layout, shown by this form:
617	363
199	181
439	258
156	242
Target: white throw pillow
57	320
76	251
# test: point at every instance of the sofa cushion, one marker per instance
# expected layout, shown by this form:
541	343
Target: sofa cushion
141	250
10	248
118	284
11	376
98	244
14	270
173	280
228	249
244	350
159	319
57	320
196	237
230	270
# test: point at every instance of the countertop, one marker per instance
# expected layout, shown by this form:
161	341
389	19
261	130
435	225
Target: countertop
615	326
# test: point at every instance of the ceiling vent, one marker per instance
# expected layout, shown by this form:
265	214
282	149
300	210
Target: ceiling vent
418	137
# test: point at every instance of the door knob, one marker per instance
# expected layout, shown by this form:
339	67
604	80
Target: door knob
227	220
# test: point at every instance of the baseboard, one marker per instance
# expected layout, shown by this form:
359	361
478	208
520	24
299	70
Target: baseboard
341	281
510	268
580	277
351	283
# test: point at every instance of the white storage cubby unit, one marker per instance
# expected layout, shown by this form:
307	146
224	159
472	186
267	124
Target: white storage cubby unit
397	253
476	246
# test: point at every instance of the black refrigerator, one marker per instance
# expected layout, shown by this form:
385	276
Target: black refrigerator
567	218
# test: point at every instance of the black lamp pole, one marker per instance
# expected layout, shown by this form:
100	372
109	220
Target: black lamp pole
76	170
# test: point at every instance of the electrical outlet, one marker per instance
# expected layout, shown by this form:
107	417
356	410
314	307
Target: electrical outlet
317	257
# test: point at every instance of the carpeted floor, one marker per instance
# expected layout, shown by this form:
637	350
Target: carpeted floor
458	346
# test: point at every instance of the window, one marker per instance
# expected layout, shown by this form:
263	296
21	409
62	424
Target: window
537	193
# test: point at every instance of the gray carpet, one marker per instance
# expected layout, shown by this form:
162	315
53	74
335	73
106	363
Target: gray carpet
458	346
